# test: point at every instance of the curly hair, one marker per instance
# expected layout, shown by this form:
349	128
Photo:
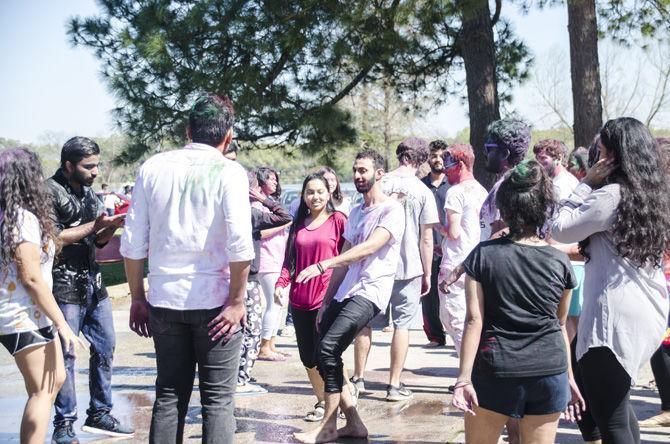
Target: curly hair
22	187
512	134
412	151
437	145
336	196
641	229
554	148
263	175
302	213
525	199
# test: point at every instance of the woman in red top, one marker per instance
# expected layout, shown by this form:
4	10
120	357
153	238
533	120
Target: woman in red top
316	234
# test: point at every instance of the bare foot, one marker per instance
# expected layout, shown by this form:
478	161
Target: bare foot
321	434
357	430
271	356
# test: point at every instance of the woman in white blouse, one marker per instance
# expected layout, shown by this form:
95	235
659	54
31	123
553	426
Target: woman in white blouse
30	319
620	214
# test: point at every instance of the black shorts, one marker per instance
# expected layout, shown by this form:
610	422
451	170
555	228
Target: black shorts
516	397
16	342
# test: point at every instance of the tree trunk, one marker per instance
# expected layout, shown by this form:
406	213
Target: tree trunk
387	125
585	70
478	51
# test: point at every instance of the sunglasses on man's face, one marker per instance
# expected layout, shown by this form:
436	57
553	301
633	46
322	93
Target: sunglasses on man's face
449	162
491	147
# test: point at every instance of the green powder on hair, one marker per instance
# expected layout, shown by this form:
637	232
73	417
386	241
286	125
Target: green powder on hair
522	168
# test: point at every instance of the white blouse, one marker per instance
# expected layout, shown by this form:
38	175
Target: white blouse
625	308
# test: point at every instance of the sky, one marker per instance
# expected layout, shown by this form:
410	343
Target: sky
51	88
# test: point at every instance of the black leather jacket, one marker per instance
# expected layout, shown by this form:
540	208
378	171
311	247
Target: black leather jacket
76	261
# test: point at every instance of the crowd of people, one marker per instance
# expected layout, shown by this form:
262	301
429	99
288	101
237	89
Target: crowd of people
551	285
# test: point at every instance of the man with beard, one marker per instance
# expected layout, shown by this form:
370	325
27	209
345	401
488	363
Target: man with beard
359	288
436	181
79	291
413	271
550	154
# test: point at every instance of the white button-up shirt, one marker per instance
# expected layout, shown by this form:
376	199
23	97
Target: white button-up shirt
190	215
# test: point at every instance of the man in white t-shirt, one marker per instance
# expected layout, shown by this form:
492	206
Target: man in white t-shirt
359	289
413	271
462	231
550	153
190	216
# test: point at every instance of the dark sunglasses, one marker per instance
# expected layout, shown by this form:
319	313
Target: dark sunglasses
489	147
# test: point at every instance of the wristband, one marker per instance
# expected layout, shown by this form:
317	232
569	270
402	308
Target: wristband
320	267
460	384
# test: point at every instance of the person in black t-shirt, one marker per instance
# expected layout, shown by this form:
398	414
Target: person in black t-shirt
514	357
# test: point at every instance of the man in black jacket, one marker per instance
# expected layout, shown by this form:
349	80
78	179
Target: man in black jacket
78	288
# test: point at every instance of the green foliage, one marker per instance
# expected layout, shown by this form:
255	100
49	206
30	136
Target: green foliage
286	65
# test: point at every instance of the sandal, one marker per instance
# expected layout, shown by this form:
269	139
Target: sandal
317	414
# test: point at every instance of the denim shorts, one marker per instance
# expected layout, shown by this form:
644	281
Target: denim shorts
516	397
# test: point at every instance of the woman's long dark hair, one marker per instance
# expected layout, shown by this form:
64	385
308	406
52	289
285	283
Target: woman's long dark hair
336	196
525	200
263	175
641	230
300	217
22	188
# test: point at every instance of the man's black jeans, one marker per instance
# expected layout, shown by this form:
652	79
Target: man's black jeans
181	342
340	324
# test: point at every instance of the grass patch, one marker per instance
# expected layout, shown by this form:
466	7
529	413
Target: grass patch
114	274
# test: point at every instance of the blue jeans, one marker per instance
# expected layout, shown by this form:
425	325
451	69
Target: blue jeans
182	342
94	320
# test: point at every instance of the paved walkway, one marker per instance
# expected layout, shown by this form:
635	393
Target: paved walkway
275	416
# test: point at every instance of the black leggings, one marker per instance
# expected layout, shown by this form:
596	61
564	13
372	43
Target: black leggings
304	322
340	324
607	392
587	425
660	365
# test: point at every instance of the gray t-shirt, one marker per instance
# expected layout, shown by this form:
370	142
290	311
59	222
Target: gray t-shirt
420	209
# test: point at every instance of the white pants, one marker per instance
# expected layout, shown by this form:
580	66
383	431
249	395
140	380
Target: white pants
452	308
272	310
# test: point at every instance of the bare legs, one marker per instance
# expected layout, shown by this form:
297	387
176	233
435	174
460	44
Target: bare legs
362	346
399	346
316	381
327	431
43	373
486	425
